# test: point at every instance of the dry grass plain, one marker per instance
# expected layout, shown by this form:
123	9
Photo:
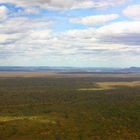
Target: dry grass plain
112	85
62	75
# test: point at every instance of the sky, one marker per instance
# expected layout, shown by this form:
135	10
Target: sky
79	33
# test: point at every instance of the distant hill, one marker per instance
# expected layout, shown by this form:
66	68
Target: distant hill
132	69
71	69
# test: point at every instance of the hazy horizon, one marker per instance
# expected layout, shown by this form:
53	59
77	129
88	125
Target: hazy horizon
68	66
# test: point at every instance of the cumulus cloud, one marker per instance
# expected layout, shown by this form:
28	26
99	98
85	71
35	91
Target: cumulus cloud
23	24
94	20
65	4
120	33
132	12
20	33
32	37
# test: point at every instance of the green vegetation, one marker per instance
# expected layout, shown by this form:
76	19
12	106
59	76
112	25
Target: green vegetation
53	109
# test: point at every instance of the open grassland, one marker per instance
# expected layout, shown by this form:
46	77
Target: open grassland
51	107
112	85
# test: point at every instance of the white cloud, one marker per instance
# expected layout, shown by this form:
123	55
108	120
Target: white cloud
23	37
124	27
127	33
32	38
31	10
23	24
94	20
21	33
132	12
3	12
65	4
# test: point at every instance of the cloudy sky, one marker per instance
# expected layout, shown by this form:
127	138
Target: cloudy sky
85	33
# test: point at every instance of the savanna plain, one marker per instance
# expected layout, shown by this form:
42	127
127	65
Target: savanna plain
69	106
